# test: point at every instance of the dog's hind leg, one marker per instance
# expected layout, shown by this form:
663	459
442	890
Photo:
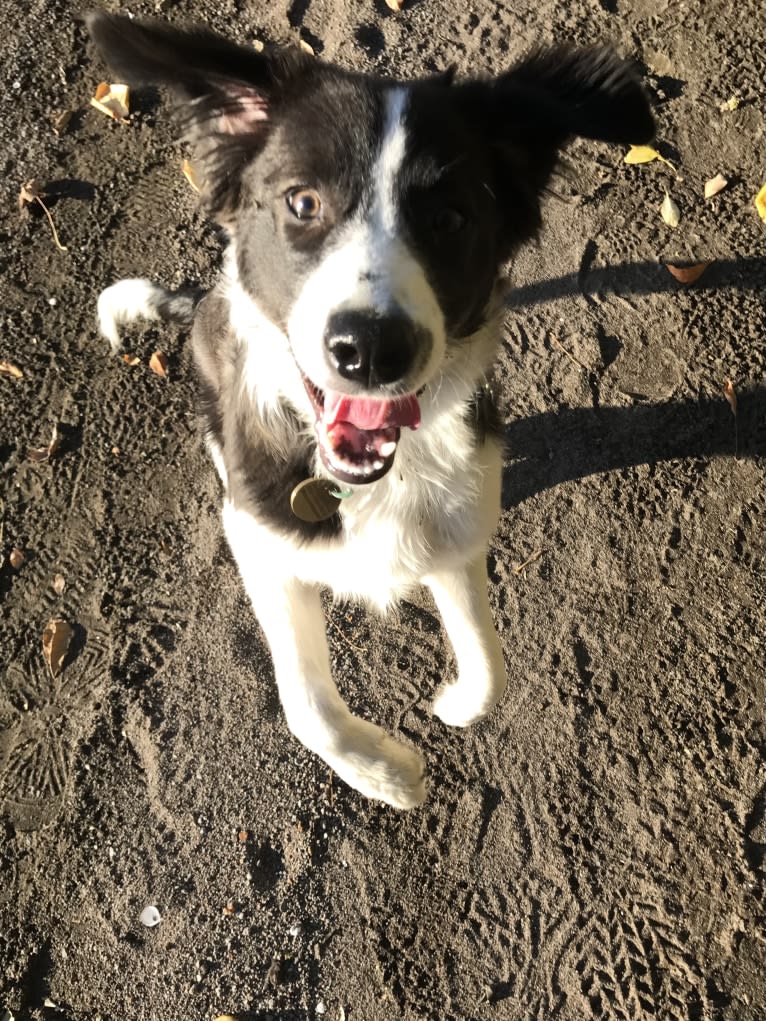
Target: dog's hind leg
461	596
290	613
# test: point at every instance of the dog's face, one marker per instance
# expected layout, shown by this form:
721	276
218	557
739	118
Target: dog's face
371	216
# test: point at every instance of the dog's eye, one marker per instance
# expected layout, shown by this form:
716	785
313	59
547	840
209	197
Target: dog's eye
448	221
304	203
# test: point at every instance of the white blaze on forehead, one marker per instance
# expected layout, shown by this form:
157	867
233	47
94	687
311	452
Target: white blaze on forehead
370	267
391	157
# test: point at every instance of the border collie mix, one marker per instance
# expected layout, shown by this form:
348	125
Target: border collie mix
343	353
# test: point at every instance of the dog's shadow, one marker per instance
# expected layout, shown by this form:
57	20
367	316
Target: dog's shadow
640	278
571	443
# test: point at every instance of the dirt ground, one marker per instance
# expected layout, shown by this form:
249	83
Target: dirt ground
597	847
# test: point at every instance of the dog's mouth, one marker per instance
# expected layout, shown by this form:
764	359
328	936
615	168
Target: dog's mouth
358	436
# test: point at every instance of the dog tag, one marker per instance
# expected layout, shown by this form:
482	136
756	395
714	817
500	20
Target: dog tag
315	499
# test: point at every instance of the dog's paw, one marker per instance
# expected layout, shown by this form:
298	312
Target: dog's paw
460	705
379	767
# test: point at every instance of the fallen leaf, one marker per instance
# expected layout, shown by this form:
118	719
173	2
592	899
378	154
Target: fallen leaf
760	202
243	836
116	451
46	453
275	974
131	359
159	363
646	154
730	104
188	171
113	100
7	369
306	47
670	212
30	192
61	121
56	640
688	274
395	5
730	395
225	1017
16	558
520	568
59	584
229	909
259	45
714	185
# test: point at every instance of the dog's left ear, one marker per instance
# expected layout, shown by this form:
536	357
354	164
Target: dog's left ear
528	113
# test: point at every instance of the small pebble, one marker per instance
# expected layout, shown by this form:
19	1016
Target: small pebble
296	929
320	1007
150	916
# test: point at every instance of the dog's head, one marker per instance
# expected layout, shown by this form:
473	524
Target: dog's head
371	216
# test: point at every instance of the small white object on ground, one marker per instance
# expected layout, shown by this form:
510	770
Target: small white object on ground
150	916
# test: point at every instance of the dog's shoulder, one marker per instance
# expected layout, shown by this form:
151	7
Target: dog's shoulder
262	448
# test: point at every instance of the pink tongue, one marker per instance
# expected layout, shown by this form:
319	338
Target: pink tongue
368	414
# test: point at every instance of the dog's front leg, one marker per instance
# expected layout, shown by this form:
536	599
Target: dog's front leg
290	613
461	596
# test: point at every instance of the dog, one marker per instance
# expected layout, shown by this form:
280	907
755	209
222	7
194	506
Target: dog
344	354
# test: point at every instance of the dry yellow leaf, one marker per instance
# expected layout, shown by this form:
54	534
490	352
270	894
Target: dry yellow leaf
56	640
714	185
8	369
395	5
688	274
670	212
188	171
61	121
730	395
159	363
113	99
730	104
46	453
131	359
646	154
31	191
259	45
760	202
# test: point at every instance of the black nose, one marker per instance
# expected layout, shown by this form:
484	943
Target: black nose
370	349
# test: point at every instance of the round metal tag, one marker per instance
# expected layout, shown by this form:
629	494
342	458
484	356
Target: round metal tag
315	499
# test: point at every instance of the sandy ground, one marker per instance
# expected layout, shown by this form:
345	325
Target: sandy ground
596	848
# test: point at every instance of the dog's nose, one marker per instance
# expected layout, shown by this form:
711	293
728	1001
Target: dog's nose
371	350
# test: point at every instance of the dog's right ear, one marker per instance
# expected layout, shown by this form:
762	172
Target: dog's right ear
224	92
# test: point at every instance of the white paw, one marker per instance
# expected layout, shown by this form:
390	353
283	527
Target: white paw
460	705
377	766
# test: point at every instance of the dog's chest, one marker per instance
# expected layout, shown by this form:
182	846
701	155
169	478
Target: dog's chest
407	526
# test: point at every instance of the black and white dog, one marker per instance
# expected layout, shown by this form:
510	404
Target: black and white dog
348	340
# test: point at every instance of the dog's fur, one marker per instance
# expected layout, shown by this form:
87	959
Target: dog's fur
368	221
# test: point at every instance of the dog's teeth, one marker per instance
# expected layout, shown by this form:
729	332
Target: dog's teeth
387	448
377	465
